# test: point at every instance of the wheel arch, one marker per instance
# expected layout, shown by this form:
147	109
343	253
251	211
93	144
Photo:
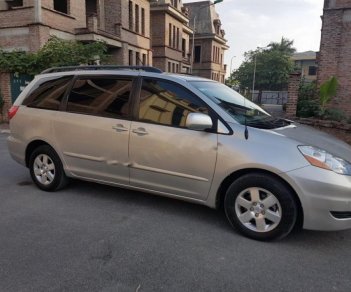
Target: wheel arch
239	173
32	146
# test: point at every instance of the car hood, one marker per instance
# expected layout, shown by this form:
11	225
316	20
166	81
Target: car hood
309	136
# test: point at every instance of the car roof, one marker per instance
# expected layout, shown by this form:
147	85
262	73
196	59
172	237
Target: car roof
117	72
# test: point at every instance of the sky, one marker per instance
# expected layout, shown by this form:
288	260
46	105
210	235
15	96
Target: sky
249	24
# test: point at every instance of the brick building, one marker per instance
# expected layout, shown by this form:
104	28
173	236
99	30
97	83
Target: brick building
170	34
123	25
335	50
306	61
209	41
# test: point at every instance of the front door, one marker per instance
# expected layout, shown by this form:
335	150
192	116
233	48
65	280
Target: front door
166	156
93	133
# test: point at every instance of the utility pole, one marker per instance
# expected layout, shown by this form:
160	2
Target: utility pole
230	73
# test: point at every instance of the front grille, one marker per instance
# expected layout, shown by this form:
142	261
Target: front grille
341	215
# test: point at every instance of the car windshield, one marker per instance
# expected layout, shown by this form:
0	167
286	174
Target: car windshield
240	108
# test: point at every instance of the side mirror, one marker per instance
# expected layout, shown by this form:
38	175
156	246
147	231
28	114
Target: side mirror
198	121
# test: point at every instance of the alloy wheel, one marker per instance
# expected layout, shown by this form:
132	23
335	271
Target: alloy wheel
44	169
258	209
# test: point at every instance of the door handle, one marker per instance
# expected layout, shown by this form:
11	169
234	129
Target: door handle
119	128
140	131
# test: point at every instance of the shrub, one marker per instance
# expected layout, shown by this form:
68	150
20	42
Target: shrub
334	114
326	92
307	104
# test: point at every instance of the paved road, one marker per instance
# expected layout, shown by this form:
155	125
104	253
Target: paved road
90	237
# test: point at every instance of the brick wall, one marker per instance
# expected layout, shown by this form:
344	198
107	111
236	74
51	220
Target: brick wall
159	31
22	17
335	51
6	94
38	36
64	22
112	15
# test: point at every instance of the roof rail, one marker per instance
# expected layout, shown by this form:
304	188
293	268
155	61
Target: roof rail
102	67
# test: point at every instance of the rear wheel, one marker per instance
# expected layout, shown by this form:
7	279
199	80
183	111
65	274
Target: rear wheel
46	169
261	207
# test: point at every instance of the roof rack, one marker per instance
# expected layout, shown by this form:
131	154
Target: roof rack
102	67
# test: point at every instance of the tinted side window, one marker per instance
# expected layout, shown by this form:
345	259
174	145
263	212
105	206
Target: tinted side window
48	94
167	103
106	96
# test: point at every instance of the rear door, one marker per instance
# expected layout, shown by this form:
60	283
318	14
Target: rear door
93	132
165	155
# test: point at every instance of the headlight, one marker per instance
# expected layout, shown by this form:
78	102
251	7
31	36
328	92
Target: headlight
323	159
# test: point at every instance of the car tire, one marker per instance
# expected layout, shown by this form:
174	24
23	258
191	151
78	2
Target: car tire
261	207
46	169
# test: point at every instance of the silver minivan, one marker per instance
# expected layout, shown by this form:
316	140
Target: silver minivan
183	137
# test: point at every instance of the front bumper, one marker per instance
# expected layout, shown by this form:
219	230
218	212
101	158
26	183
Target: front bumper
322	192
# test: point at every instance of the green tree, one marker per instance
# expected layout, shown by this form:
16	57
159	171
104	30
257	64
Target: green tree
285	46
56	52
273	66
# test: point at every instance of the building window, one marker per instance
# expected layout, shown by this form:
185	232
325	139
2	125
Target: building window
61	6
130	57
177	38
143	21
137	24
169	67
184	47
197	54
14	3
144	60
174	36
170	35
177	68
173	67
130	15
174	3
312	70
137	58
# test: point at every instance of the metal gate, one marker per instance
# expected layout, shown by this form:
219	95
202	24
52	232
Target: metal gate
18	83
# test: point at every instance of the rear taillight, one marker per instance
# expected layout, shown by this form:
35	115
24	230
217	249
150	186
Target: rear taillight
12	111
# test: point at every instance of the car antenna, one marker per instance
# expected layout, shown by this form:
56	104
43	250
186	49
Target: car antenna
246	132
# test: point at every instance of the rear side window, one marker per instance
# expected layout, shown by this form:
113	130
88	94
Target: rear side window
101	96
48	94
167	103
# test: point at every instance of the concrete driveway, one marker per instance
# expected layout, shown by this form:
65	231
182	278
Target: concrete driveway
90	237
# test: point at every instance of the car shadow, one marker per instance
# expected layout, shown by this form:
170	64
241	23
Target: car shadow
194	212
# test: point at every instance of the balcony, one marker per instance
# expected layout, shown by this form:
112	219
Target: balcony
93	33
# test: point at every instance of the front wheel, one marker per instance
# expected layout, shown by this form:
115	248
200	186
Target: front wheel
261	207
46	169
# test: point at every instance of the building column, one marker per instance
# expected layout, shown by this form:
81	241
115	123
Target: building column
5	87
293	94
38	36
